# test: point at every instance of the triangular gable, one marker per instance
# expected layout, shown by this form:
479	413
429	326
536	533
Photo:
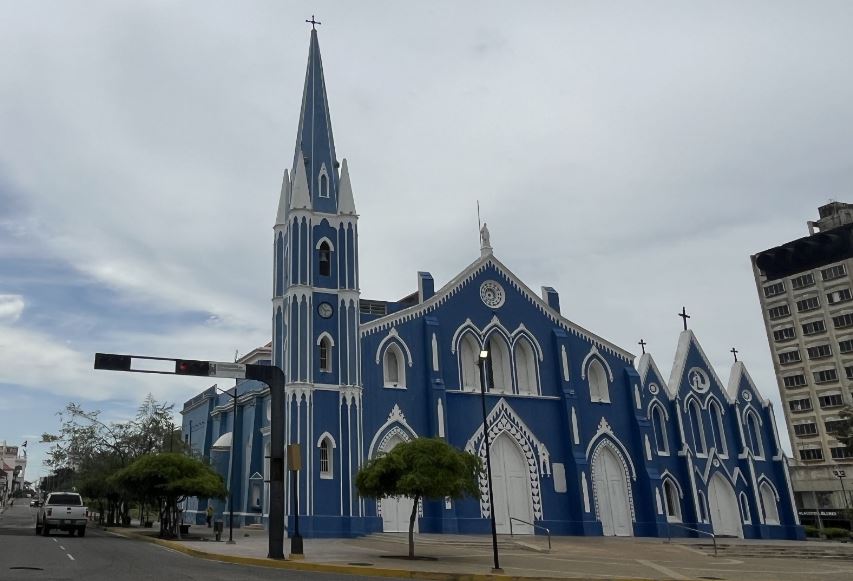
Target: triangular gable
256	476
467	276
647	365
676	379
740	380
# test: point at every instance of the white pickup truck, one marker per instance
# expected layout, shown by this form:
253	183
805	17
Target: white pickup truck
63	511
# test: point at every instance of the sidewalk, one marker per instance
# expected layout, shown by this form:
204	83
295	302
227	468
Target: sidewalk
448	557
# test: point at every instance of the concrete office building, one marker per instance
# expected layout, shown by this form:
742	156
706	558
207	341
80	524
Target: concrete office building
806	294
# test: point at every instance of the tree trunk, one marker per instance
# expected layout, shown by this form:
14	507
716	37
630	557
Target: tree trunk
412	527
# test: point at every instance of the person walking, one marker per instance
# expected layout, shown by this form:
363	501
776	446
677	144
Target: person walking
209	515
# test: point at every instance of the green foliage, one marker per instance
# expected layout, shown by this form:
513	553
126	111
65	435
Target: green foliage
811	531
836	533
169	475
422	468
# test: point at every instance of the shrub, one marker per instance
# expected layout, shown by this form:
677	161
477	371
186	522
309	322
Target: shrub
811	531
836	533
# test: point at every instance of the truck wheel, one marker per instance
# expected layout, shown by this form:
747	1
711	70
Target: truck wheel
82	531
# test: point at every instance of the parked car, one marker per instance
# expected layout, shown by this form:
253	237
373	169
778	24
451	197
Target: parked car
63	511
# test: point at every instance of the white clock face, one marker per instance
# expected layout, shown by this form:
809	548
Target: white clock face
325	310
492	294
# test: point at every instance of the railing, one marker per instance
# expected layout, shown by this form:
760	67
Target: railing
535	526
712	535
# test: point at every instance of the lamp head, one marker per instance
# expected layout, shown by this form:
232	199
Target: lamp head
484	354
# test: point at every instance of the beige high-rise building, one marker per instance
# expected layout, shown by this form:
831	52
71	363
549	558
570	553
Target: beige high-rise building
806	293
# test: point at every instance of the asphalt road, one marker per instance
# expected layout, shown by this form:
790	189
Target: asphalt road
102	556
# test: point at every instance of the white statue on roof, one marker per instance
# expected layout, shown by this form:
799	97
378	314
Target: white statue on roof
485	242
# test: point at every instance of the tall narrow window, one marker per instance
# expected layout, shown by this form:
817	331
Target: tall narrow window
325	259
754	430
393	370
744	509
469	363
673	504
768	502
324	182
525	367
326	464
703	507
659	426
717	427
325	355
498	371
698	429
598	388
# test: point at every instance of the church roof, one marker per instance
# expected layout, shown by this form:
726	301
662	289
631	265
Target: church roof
315	145
464	278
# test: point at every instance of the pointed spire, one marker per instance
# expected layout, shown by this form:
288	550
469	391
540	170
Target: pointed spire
300	197
346	203
283	201
315	144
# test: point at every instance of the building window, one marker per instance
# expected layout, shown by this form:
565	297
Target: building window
843	321
469	361
840	453
785	334
810	454
789	357
525	367
794	381
839	296
498	370
659	427
756	443
814	327
324	182
845	346
848	371
808	304
673	504
825	376
718	428
697	428
325	355
774	289
744	509
802	281
805	430
833	272
834	425
819	352
325	259
326	460
393	368
599	391
778	312
800	405
768	501
830	400
703	507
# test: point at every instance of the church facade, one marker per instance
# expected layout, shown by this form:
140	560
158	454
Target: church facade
582	441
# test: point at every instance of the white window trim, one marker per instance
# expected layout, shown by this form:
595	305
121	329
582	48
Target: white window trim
329	474
401	367
324	172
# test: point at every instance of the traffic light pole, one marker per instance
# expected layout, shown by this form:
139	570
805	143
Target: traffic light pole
268	374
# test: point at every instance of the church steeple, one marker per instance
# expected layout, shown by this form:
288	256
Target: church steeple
315	144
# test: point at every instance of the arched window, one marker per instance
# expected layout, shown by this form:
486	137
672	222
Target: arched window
325	259
324	182
717	428
597	376
659	427
697	428
469	362
525	367
393	368
703	506
754	430
768	501
326	458
325	355
498	370
744	509
672	500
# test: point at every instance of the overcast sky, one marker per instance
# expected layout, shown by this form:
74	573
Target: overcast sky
632	155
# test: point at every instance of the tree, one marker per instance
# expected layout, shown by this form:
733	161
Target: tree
166	478
421	469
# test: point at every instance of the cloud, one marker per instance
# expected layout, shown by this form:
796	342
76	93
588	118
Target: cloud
11	307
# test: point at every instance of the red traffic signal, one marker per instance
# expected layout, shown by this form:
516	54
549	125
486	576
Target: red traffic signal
192	367
112	362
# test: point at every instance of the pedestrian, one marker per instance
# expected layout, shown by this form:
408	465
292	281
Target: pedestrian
209	515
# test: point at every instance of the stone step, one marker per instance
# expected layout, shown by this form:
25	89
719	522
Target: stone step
841	552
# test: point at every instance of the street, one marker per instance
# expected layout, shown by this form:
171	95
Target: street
100	555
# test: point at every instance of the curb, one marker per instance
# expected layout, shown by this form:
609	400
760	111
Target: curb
345	569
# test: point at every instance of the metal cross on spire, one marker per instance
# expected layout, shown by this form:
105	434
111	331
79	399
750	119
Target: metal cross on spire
313	22
734	352
683	314
642	345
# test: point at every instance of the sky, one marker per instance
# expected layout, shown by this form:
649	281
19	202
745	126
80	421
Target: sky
633	156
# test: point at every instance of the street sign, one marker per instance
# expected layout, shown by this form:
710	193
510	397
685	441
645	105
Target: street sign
233	370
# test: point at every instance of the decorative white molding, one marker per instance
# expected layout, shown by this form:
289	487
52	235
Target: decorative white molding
434	353
575	428
328	336
394	336
395	417
329	436
565	359
327	241
594	352
604	429
440	414
585	490
629	475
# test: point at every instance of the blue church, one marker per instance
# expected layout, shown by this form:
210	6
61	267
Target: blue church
582	441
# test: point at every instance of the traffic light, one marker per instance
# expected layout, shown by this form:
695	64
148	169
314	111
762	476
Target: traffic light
192	367
112	362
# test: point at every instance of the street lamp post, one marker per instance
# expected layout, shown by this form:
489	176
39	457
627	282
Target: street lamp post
484	355
233	396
